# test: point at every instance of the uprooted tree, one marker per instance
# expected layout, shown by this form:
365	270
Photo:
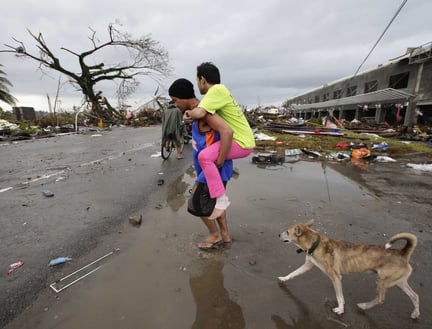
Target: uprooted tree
145	56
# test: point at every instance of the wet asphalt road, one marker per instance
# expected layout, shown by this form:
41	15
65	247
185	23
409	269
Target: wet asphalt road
98	180
158	278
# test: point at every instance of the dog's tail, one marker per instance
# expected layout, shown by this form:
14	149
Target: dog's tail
411	243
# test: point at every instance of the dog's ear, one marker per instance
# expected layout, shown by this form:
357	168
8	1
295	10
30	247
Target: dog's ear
310	222
297	230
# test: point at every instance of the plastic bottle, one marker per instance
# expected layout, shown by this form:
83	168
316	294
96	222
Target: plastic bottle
59	260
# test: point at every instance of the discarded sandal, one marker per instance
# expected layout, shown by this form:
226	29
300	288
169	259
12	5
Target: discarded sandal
209	246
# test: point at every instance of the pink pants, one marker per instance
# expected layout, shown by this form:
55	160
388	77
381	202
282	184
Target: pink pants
207	159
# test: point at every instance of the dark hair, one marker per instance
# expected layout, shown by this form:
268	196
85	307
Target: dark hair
209	71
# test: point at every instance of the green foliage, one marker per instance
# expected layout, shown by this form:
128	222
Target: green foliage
7	115
28	128
5	95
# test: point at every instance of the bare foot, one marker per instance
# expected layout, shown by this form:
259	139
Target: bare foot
226	237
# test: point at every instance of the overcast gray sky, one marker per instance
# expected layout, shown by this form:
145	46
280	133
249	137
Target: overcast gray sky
267	51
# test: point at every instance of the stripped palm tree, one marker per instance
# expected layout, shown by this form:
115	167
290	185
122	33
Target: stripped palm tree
5	95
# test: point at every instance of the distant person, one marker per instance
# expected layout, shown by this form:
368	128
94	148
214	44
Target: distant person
218	99
172	122
205	132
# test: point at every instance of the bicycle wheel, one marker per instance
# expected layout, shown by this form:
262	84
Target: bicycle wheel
166	149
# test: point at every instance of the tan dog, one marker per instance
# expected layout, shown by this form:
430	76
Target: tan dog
336	257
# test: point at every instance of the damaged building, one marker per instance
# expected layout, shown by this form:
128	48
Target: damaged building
398	92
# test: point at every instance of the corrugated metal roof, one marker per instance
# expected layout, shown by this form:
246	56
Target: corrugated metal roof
387	95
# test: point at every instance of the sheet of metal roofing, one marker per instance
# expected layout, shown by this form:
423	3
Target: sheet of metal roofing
380	96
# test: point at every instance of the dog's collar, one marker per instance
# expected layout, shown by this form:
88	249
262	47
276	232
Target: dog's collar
312	248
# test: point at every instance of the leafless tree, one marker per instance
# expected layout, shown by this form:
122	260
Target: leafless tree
145	57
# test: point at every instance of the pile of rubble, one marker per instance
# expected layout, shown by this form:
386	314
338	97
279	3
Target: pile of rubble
331	126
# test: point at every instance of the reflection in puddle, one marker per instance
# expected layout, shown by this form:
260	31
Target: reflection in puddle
176	194
179	190
305	318
215	308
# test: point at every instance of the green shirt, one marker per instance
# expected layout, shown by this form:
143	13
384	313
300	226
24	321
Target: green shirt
218	99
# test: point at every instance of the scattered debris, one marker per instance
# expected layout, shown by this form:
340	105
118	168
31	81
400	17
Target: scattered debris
268	158
291	152
380	147
262	157
361	153
339	156
312	154
135	220
421	167
383	158
14	266
59	260
264	137
47	193
59	285
303	129
252	262
370	135
7	126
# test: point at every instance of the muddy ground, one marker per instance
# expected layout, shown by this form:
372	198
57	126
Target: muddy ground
159	278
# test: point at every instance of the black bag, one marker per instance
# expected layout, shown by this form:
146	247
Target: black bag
200	203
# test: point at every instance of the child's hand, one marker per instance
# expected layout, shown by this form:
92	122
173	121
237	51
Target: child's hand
219	163
187	117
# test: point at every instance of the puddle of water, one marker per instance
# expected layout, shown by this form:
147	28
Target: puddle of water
163	280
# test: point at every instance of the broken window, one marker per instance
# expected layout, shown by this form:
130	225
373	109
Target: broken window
326	97
399	81
351	91
337	94
371	86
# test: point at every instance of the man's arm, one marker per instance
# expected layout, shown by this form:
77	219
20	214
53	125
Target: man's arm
225	133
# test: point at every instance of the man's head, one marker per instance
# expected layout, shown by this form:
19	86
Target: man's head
207	75
181	92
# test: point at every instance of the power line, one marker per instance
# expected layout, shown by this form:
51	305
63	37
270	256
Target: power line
382	34
347	82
